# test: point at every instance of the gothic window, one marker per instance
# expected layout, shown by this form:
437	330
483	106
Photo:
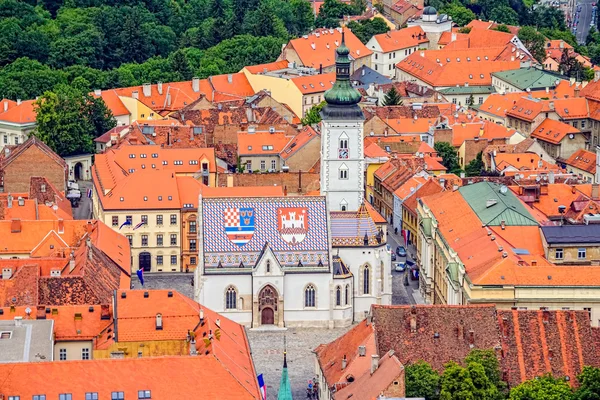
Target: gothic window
230	298
268	267
366	280
338	296
343	146
310	296
343	172
347	297
382	275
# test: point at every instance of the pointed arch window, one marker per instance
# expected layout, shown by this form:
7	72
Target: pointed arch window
347	296
343	149
367	280
343	171
268	267
310	299
338	296
231	298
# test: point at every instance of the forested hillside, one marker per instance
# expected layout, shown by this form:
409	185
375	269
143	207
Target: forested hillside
114	43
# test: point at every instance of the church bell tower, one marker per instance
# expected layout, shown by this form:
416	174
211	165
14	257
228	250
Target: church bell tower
342	151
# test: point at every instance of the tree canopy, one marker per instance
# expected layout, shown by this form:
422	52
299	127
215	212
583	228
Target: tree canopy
392	98
449	156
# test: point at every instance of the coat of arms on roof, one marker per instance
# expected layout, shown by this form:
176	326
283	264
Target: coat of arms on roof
292	224
239	224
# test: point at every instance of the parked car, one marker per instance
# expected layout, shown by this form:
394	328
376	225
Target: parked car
393	257
401	251
399	266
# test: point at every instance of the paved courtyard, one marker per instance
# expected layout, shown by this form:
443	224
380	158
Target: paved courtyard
267	346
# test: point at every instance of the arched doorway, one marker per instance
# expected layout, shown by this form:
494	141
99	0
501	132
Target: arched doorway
78	171
267	305
145	261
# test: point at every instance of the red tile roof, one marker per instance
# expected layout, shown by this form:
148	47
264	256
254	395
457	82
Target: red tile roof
136	321
318	47
262	143
20	114
483	130
428	188
553	131
401	39
584	160
113	102
314	83
203	378
306	135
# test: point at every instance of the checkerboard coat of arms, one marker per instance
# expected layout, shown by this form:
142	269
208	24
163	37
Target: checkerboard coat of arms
239	224
292	224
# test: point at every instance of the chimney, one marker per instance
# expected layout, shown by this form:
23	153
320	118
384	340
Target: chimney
573	190
577	88
147	89
5	106
18	102
40	312
159	87
201	315
196	84
344	363
71	262
135	94
229	78
88	243
285	192
503	225
168	99
547	89
561	44
471	338
6	273
9	201
545	316
453	37
18	321
362	351
21	201
104	312
374	363
193	351
595	191
413	324
159	324
551	105
15	225
61	225
97	92
89	226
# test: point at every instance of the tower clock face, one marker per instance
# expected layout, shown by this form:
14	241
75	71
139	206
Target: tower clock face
343	153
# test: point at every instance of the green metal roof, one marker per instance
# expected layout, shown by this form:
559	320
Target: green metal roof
493	204
285	388
529	78
342	93
468	90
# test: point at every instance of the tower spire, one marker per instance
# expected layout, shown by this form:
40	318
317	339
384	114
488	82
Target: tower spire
285	388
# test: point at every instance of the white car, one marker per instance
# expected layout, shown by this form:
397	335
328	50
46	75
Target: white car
400	266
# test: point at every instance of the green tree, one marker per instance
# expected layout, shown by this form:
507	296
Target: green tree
504	15
313	115
332	11
474	167
487	358
502	28
542	388
449	156
460	14
589	384
533	41
366	29
69	118
471	100
422	381
181	65
569	66
470	383
392	98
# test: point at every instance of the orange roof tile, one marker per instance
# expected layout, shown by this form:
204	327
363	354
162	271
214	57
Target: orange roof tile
374	151
427	189
584	160
521	161
473	73
242	191
486	130
261	68
232	84
162	376
306	134
374	214
571	108
401	39
136	321
262	143
113	102
318	47
20	114
498	104
314	83
410	125
553	131
447	37
409	187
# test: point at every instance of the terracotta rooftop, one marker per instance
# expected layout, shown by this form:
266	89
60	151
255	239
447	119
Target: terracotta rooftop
479	130
18	113
527	343
318	47
428	188
401	39
314	83
553	131
204	378
584	160
262	143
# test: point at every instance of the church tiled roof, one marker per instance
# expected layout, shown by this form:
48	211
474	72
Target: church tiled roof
236	230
